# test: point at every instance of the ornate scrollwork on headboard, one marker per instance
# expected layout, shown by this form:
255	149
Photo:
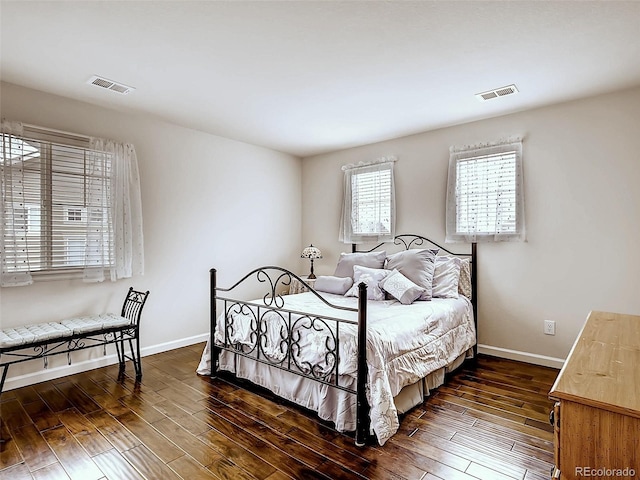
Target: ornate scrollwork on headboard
410	240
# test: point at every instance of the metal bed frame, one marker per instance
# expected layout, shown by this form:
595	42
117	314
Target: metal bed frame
291	323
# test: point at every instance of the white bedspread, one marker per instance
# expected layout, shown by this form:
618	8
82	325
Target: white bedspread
404	344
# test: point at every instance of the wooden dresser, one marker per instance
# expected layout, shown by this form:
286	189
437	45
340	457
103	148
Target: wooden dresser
597	412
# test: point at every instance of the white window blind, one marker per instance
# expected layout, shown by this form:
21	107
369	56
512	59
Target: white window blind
484	196
57	206
368	212
56	193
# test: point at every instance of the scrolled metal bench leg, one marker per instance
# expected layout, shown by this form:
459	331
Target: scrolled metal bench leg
135	356
139	362
119	344
5	368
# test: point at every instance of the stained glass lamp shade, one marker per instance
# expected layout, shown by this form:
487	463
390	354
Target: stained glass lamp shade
312	253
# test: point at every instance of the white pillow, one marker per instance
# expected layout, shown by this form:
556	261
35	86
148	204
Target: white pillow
446	277
330	284
372	278
347	261
417	266
401	288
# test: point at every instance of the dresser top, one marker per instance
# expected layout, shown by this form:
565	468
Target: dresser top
603	367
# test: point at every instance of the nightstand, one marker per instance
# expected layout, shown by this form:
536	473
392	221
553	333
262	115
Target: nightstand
298	287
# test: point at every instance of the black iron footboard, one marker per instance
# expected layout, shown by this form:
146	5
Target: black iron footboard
266	332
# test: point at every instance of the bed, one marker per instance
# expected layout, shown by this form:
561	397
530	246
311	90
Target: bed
366	345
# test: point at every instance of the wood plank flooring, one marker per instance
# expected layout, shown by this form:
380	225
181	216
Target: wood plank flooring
488	422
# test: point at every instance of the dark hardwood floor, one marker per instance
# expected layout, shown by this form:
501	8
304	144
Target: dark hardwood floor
490	423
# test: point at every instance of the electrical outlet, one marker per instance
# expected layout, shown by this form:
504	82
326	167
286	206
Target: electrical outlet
549	327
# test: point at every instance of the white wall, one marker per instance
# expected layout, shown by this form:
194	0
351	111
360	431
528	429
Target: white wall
582	186
207	202
202	210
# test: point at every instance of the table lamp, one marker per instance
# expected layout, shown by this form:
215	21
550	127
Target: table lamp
311	253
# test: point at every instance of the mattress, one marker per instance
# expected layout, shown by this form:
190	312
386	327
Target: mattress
405	344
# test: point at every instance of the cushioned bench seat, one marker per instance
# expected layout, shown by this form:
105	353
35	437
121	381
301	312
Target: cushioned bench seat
28	334
93	323
40	340
40	332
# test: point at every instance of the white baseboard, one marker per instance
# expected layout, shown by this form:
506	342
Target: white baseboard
103	361
183	342
521	356
62	371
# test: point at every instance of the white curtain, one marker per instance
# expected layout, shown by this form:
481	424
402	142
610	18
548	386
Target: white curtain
126	211
485	193
100	180
368	209
14	247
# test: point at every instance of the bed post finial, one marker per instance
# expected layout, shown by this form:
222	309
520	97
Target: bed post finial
362	406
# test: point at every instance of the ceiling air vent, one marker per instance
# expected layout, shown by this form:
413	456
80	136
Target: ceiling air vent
110	85
498	92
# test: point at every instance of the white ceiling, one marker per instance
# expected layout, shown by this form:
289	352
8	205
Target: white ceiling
309	77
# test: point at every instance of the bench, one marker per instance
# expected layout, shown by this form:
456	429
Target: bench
29	342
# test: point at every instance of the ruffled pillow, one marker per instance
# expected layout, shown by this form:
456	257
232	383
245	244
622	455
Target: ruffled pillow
401	288
372	278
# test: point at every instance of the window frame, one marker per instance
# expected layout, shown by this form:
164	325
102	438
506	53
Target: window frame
492	186
354	210
54	224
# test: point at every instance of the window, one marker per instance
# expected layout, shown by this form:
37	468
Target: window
57	206
33	216
49	181
368	212
75	250
484	196
75	214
